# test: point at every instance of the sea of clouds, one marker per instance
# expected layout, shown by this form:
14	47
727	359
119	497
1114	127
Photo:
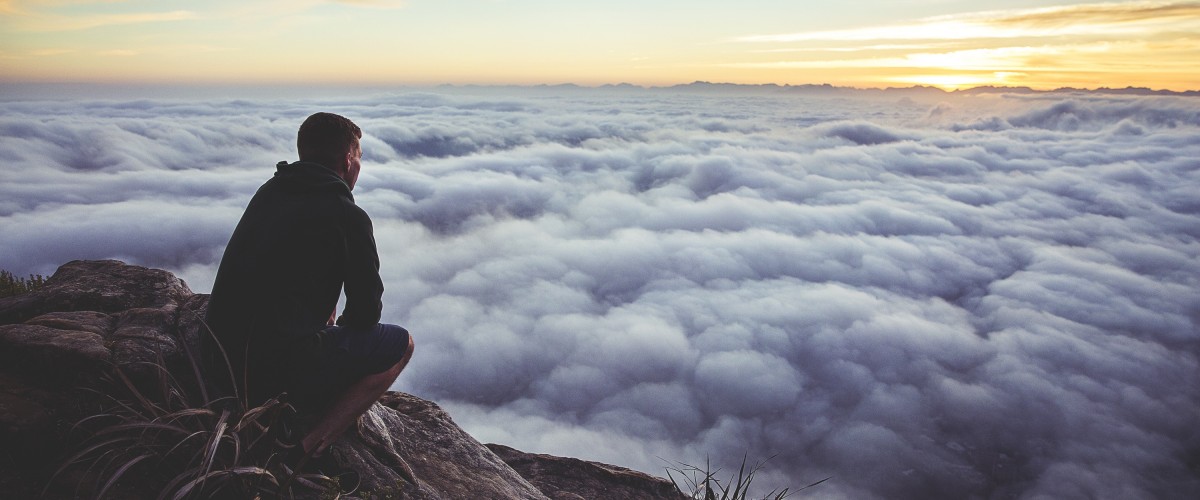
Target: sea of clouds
926	296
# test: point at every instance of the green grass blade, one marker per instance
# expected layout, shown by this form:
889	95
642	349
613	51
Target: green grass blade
214	442
179	479
120	472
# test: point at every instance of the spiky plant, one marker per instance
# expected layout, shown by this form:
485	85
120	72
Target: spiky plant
11	284
183	442
702	483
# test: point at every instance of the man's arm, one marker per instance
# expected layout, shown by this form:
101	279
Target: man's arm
364	288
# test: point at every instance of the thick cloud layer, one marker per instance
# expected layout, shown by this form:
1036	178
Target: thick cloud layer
975	297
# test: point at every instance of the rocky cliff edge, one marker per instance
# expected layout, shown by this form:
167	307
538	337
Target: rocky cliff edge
91	316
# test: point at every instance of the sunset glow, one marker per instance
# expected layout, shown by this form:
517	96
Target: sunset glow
1041	44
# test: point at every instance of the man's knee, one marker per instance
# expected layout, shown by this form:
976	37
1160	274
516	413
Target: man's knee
408	352
399	366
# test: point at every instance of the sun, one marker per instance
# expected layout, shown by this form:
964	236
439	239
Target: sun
956	81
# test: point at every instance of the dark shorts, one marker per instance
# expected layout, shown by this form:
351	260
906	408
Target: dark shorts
342	357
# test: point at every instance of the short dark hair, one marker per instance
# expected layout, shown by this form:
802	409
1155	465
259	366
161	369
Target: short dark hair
325	137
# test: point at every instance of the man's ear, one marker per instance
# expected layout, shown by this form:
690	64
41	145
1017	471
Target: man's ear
344	166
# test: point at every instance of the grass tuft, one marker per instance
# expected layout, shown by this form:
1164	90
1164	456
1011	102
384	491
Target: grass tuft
703	483
11	284
157	433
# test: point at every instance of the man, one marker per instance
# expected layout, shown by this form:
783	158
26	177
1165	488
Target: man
300	240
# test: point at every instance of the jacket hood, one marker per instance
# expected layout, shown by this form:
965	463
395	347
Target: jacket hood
303	176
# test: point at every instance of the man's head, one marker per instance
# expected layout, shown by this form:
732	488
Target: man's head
331	140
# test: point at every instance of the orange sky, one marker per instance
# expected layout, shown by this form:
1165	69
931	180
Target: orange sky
878	43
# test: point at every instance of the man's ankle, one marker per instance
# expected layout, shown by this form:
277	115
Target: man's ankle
313	447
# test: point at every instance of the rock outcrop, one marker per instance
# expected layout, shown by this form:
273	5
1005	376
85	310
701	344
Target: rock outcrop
562	478
90	316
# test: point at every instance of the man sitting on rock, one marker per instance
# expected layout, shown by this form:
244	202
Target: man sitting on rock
300	240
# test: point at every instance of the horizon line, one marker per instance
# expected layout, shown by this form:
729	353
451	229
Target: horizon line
1130	89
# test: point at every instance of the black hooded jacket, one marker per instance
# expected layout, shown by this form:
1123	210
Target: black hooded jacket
299	241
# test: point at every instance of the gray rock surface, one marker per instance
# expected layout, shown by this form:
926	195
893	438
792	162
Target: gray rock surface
562	478
94	315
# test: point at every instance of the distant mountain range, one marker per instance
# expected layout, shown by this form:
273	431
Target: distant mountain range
825	89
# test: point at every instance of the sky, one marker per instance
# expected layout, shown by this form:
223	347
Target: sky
864	43
918	295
